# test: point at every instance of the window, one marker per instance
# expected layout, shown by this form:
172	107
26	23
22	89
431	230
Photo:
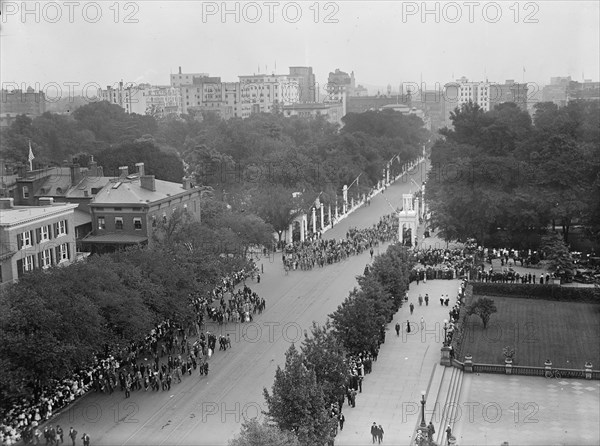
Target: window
45	258
137	224
44	233
119	223
101	223
60	228
25	192
154	221
28	263
62	253
27	239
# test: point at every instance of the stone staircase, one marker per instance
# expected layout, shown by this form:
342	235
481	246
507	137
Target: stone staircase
442	402
448	408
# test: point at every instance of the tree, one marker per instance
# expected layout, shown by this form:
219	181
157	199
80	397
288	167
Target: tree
165	166
356	323
48	330
297	403
277	206
254	433
250	229
483	307
558	255
324	354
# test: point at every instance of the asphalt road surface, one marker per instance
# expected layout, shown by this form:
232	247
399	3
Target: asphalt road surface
208	410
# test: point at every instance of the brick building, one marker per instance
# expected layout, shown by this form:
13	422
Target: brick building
127	209
34	237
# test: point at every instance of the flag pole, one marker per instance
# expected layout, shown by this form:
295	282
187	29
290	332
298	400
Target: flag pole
30	157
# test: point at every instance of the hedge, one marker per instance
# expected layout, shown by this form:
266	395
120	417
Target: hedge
530	291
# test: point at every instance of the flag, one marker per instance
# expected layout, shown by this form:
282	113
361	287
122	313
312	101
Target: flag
30	157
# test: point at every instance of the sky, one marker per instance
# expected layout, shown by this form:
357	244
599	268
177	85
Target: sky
65	46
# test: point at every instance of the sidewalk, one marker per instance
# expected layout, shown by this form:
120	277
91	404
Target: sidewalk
391	393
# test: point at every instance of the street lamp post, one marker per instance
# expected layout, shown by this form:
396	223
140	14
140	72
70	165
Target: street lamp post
445	332
423	425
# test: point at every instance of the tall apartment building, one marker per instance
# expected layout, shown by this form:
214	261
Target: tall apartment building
307	85
269	92
338	82
20	102
144	99
180	79
485	94
256	93
33	237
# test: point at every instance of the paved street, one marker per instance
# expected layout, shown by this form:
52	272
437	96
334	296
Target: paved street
209	410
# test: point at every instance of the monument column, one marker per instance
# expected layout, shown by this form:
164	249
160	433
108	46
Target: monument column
302	222
322	216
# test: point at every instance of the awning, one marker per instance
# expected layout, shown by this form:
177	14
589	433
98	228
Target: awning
115	239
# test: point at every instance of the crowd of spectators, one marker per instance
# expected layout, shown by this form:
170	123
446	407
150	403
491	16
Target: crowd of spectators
165	355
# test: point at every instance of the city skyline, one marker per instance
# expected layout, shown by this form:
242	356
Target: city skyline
145	42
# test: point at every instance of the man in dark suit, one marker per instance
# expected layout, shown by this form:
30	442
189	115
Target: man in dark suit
86	439
374	431
73	435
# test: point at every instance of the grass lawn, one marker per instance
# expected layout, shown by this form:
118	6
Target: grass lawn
567	333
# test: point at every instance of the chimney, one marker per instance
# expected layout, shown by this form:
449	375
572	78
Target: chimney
75	174
179	70
99	171
93	167
46	201
187	183
22	171
7	203
140	169
123	171
147	182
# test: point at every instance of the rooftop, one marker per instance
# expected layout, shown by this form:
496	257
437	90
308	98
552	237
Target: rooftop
24	214
130	191
115	239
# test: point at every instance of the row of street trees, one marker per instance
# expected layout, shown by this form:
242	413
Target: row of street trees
53	321
503	179
252	164
315	375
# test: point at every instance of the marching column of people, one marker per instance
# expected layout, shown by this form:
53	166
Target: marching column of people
317	251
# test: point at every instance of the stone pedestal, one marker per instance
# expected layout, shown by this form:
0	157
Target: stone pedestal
445	361
468	364
508	366
588	370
